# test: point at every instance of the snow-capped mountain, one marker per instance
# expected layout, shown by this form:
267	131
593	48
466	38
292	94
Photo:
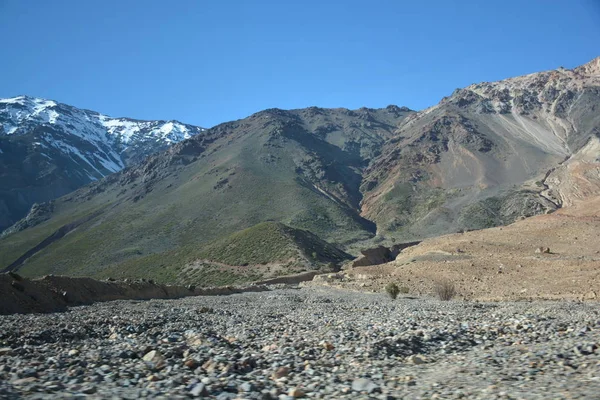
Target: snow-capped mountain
115	142
48	149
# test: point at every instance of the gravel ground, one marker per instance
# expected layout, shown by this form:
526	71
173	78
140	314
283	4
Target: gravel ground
309	342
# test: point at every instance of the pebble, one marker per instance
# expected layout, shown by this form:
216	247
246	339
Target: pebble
311	342
364	385
415	359
199	390
296	393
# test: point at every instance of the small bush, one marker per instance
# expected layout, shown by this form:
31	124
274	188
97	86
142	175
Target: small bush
392	290
445	290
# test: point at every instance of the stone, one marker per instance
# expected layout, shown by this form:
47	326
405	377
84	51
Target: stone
193	339
73	353
591	295
30	373
296	393
154	359
281	372
88	389
24	381
415	359
105	368
199	390
327	346
210	365
270	347
365	385
247	387
6	351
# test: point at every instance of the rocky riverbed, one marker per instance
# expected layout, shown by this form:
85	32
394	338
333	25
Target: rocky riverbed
310	342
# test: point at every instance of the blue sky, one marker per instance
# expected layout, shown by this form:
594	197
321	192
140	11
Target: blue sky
206	62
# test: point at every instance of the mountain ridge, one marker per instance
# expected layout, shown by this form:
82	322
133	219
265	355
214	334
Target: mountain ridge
503	140
48	149
487	155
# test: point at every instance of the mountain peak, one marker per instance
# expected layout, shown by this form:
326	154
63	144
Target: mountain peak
591	68
77	146
25	100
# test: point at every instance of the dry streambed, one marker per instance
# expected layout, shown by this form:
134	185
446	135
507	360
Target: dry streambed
310	342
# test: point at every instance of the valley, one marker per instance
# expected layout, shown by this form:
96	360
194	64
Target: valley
280	200
487	155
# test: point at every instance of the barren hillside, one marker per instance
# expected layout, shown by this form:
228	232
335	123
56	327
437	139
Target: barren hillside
502	263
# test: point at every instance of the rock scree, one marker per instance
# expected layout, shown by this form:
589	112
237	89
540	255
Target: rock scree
304	343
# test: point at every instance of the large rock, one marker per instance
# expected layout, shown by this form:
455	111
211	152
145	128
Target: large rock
381	254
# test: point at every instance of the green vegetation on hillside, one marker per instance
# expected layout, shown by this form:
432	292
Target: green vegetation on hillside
270	242
175	208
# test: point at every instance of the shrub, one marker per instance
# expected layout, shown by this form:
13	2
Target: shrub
333	267
392	290
445	290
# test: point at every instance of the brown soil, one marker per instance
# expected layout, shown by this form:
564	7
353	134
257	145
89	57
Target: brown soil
56	293
502	263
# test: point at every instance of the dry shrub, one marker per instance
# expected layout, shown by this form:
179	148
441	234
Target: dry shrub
445	289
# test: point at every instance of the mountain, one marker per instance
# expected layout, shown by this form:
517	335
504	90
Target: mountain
263	251
487	155
48	149
299	167
550	256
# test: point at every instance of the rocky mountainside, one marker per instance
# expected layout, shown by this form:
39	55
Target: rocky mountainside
550	256
487	155
299	167
490	154
48	149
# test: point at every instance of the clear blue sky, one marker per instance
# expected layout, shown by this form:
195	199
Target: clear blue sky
206	62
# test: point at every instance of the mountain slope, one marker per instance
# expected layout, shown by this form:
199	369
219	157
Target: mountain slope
503	263
299	167
263	251
488	155
48	149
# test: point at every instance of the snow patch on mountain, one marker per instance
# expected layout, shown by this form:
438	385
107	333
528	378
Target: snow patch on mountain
101	142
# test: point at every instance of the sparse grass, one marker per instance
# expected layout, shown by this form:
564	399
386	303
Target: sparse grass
213	275
405	204
15	245
174	222
270	242
260	244
445	289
